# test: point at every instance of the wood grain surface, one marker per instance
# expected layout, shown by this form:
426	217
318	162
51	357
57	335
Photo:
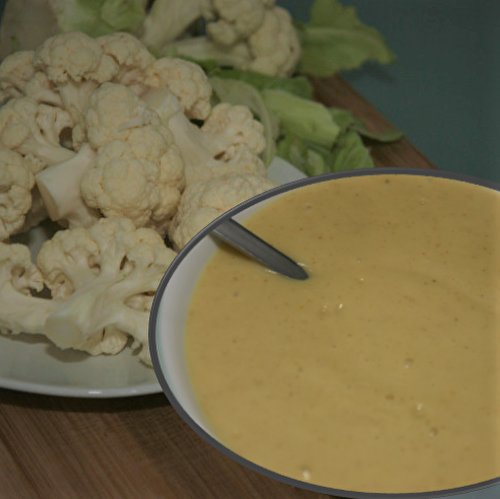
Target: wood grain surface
138	447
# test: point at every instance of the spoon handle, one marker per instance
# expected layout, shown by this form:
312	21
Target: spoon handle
241	238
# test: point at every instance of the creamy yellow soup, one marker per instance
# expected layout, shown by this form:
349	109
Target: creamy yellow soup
380	372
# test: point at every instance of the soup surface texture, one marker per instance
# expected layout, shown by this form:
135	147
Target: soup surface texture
380	372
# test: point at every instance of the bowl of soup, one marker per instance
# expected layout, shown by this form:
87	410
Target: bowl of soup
379	373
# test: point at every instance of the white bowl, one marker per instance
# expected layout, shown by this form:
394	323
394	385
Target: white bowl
170	306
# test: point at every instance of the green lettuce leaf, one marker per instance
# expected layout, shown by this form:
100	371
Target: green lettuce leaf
348	153
306	118
99	17
346	120
336	40
297	85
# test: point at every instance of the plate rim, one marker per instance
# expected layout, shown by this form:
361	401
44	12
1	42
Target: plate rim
75	392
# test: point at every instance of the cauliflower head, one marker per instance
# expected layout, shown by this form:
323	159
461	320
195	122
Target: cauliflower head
131	56
249	35
112	113
140	178
15	71
20	280
107	275
235	21
34	130
186	80
16	183
229	126
127	165
76	65
275	46
230	140
203	202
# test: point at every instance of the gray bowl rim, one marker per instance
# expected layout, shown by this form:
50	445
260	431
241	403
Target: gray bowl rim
152	332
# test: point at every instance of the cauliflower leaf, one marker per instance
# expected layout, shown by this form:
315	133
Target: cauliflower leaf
98	17
336	40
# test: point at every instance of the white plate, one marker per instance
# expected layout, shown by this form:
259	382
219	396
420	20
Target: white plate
31	363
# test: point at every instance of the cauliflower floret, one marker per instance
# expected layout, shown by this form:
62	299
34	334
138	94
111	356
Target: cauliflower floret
103	272
19	278
16	182
228	21
76	65
168	19
140	179
237	126
34	129
236	21
275	46
15	71
131	56
113	111
130	167
63	281
230	135
186	80
203	202
41	89
18	78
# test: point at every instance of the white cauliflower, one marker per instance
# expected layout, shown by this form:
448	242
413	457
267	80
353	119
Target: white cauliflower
15	71
112	113
247	34
16	183
128	166
169	19
230	140
131	56
18	78
203	202
107	275
76	65
233	126
101	132
235	21
186	80
34	130
140	178
272	48
275	47
19	280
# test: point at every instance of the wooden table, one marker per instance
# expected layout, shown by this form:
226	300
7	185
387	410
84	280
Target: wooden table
139	448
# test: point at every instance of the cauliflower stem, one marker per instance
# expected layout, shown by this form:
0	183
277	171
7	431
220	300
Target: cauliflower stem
229	141
59	187
102	303
202	48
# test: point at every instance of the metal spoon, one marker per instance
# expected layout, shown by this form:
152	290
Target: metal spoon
250	244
